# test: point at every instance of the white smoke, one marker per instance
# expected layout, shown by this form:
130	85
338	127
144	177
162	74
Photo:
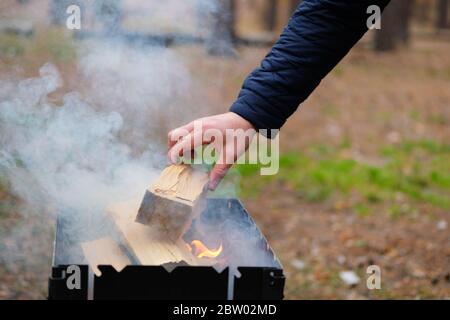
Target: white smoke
70	152
147	86
101	145
97	147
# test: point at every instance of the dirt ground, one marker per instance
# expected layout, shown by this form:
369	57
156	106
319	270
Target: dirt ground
372	100
373	97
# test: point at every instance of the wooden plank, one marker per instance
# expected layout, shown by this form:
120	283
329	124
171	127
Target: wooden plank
173	200
146	243
104	251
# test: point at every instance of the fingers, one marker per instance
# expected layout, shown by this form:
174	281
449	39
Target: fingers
185	146
226	159
218	172
183	140
175	135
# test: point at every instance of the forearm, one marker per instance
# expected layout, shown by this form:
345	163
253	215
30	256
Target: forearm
318	36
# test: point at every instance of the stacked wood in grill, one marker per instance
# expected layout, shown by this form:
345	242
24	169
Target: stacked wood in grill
152	230
148	245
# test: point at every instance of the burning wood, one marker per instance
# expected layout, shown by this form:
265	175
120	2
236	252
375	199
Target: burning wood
201	251
152	230
174	199
253	273
147	245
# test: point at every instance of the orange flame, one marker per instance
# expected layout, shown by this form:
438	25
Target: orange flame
201	251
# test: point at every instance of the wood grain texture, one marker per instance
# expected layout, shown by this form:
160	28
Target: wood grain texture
180	183
173	200
148	245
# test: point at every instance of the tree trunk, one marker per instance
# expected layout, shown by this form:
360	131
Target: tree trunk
442	14
405	10
270	17
223	36
385	38
395	26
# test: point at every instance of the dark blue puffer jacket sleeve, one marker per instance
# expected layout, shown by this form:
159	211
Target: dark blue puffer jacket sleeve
318	36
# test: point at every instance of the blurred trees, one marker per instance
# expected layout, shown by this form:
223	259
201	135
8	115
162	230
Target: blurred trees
223	34
270	16
58	10
396	21
108	13
395	26
272	11
404	19
442	14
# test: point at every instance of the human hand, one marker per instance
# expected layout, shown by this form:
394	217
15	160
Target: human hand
228	134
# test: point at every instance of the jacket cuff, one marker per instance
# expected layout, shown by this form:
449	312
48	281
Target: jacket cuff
263	122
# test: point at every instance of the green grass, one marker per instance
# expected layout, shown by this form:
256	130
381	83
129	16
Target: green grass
60	46
439	119
331	110
12	45
52	44
338	70
411	173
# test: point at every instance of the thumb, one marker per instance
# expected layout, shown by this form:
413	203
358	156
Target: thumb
218	172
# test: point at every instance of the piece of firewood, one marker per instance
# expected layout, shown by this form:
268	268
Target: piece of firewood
174	200
104	251
145	242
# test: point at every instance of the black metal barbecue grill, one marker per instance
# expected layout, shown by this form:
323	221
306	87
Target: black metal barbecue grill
168	282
